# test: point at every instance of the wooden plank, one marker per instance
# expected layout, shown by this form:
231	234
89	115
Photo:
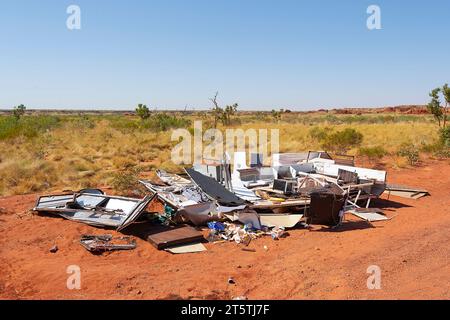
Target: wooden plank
167	236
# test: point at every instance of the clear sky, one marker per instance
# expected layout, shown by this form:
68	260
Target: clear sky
261	54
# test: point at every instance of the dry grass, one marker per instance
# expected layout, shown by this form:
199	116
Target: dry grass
82	152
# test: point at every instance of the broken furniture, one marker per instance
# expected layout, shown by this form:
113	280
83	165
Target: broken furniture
327	207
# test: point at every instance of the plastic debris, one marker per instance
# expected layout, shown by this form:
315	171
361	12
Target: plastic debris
166	217
216	226
101	243
240	298
277	233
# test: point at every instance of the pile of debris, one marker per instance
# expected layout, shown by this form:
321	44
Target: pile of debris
298	189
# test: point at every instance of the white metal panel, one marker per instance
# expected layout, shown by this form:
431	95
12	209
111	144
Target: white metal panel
363	173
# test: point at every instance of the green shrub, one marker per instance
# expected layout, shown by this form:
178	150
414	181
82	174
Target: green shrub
409	151
83	122
444	135
373	153
124	124
319	134
126	181
342	141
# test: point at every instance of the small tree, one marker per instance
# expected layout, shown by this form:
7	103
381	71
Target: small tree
216	110
142	111
19	111
446	94
409	151
276	114
434	107
228	113
221	114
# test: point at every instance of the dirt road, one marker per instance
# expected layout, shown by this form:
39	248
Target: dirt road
412	250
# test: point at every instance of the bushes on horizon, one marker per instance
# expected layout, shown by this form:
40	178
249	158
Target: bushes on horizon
157	122
29	127
163	122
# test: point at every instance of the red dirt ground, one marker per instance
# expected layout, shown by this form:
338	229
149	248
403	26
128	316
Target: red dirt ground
412	251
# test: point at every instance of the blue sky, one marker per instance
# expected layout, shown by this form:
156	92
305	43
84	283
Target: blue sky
261	54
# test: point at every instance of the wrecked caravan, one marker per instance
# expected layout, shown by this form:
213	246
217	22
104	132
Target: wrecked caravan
95	209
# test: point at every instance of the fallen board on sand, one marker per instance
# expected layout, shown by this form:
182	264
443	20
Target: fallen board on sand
405	191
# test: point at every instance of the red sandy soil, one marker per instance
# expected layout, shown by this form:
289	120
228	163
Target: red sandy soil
412	251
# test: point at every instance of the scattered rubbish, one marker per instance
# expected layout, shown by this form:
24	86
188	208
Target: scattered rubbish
190	248
54	249
247	218
216	226
242	234
238	203
277	233
101	243
405	191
